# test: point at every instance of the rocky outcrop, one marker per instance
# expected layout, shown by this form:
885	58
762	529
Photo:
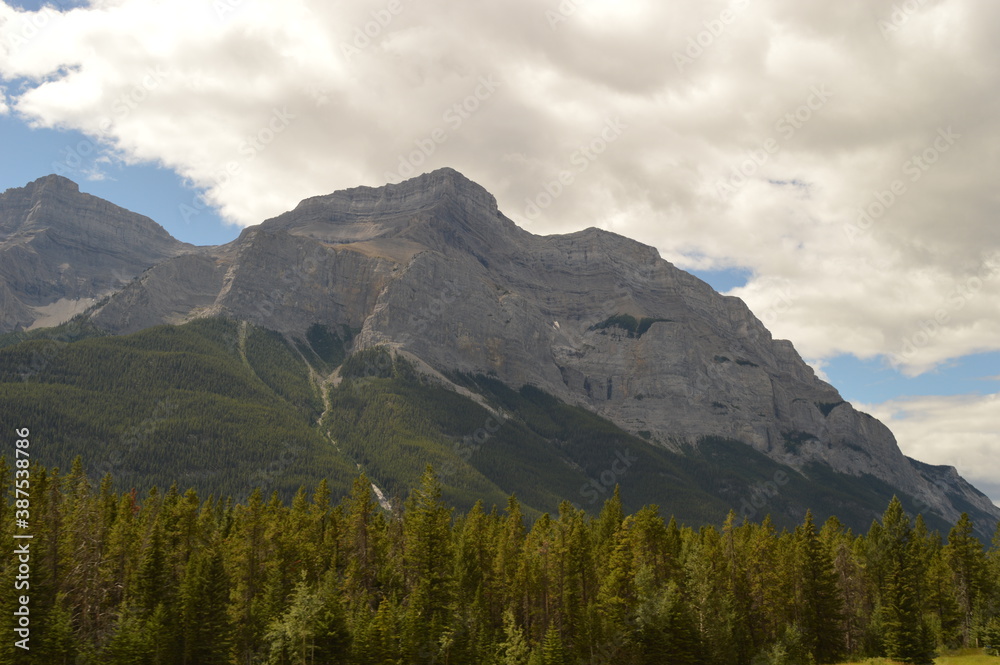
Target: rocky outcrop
433	268
61	247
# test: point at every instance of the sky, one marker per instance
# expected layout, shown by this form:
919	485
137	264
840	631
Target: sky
832	165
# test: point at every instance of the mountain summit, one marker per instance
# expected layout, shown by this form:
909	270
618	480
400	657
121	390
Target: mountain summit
60	249
431	269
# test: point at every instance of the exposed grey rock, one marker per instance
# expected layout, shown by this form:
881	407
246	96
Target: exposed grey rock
57	244
431	267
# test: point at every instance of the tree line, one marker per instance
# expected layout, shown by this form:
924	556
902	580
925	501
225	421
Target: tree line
170	577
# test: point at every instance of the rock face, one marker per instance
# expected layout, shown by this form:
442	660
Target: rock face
432	267
61	249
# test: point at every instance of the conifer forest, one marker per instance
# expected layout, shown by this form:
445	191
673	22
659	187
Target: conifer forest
170	577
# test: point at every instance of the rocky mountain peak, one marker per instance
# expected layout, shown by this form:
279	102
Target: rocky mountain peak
431	268
61	248
52	183
435	209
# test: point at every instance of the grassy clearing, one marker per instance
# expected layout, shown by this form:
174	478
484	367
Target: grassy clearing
963	657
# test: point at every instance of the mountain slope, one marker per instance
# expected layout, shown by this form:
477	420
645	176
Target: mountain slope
433	270
61	249
223	406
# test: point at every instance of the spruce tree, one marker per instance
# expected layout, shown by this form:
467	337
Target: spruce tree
553	651
428	568
964	554
822	607
905	636
206	631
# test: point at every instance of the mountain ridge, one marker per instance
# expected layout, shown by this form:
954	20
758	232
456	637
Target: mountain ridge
61	249
431	267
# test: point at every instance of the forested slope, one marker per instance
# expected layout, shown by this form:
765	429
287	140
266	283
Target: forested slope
120	578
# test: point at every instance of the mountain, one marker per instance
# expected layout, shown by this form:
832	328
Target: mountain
432	279
61	249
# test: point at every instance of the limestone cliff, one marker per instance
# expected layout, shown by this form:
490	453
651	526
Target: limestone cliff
61	249
432	267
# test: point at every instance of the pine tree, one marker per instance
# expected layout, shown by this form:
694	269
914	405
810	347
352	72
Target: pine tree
822	608
506	563
247	551
474	583
905	636
206	632
941	602
428	566
331	637
360	534
617	595
667	633
706	571
153	582
514	649
964	554
553	652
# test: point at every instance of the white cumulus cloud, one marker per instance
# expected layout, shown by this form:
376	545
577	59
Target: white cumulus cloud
845	154
960	431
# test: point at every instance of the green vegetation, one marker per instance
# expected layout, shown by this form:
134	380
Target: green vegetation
962	657
221	406
826	407
121	578
324	347
72	331
173	403
632	326
794	439
739	361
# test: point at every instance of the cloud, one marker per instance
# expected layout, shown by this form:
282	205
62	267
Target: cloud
959	431
844	154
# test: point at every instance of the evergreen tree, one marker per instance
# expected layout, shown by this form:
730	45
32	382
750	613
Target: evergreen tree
552	650
360	536
905	636
514	649
667	633
246	553
964	554
172	581
822	607
428	567
204	597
